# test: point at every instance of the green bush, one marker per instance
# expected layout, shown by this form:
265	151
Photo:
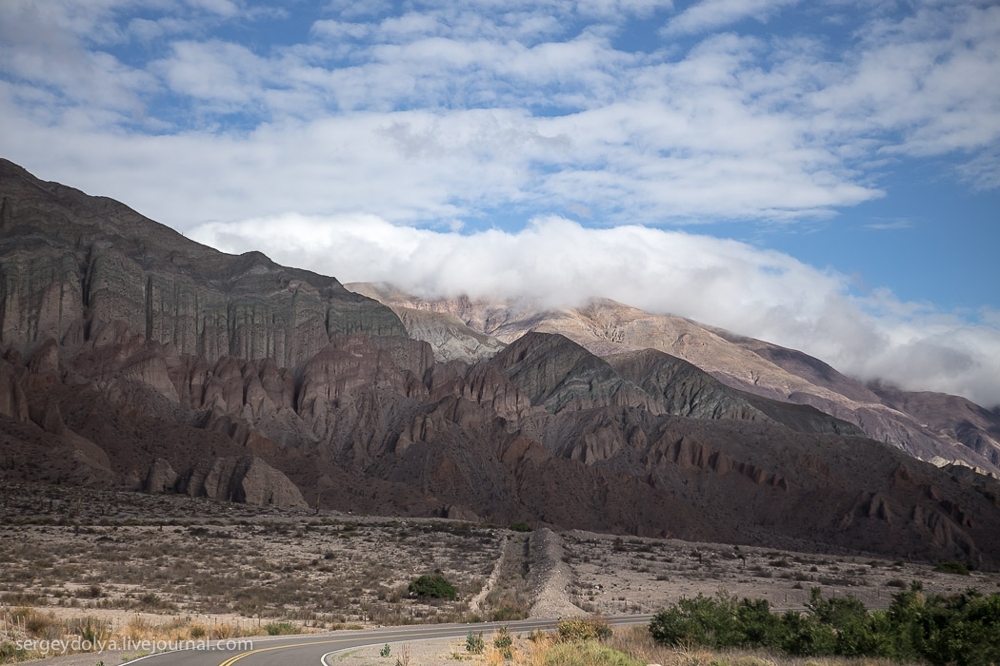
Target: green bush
952	567
474	643
520	526
435	587
590	653
804	636
849	620
757	625
504	642
11	652
960	629
508	614
702	621
280	629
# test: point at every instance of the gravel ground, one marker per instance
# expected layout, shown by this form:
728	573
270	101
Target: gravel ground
475	605
438	652
614	575
554	577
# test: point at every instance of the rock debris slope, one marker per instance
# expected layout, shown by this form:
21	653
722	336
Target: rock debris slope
135	358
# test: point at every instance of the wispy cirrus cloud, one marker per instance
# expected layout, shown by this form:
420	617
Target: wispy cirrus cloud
463	109
707	15
890	225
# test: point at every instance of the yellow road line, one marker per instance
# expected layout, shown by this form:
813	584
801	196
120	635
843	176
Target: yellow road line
413	634
342	639
232	660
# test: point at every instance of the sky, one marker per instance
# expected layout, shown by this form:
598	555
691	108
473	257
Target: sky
825	176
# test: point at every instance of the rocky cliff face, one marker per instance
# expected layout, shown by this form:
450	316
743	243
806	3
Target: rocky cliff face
92	290
79	269
133	358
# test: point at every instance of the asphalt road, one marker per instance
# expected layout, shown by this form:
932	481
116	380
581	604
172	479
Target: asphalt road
309	649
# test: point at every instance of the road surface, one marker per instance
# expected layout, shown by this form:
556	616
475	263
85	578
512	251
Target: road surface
309	649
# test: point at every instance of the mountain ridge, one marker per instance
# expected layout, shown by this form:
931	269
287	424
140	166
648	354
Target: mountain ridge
607	328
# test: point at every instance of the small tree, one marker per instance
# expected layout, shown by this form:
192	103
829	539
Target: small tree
702	621
435	587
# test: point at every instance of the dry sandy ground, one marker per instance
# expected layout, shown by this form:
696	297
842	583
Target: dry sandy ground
628	575
124	559
441	652
554	575
219	563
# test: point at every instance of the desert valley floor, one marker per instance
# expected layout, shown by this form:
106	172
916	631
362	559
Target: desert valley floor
120	558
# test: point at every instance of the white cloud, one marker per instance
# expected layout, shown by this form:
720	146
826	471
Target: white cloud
220	7
890	224
924	78
761	293
982	172
455	110
421	165
147	31
38	43
648	143
711	14
340	29
212	71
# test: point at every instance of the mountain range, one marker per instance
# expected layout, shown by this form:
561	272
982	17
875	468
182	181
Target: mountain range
136	358
931	426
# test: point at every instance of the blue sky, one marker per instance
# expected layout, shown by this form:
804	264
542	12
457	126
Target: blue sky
779	165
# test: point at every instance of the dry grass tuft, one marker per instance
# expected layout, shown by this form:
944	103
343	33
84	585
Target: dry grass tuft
88	634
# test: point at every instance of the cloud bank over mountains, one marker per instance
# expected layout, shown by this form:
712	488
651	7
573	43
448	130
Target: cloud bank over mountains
760	293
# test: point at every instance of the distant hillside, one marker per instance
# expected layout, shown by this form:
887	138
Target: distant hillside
958	430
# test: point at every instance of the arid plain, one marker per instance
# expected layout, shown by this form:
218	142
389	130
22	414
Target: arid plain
146	566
